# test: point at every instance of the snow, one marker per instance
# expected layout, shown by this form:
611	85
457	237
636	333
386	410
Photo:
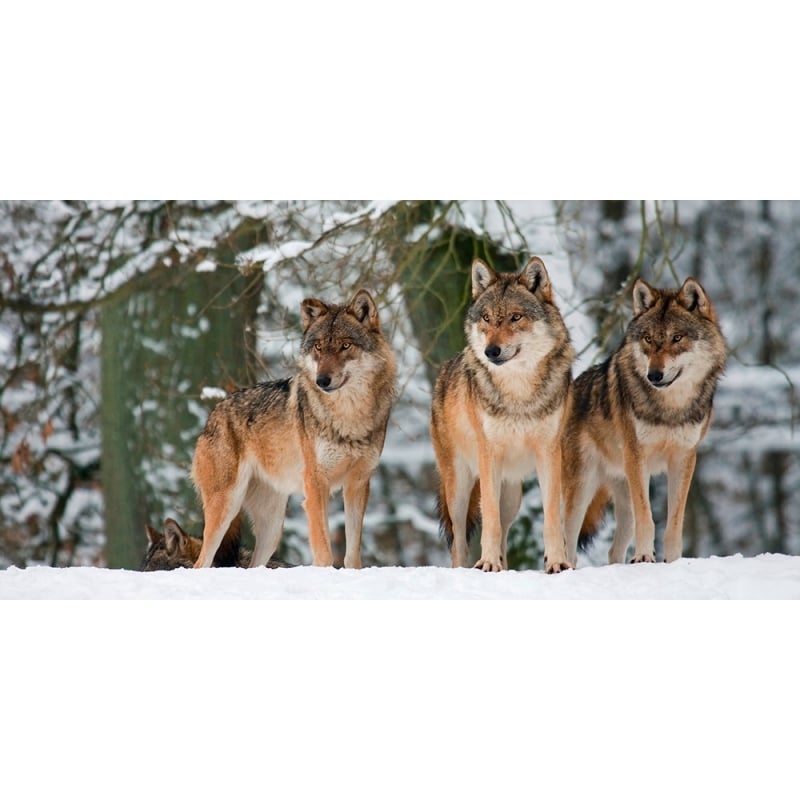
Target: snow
271	255
765	577
213	393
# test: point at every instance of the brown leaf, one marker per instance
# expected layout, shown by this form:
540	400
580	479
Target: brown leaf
21	460
9	420
47	430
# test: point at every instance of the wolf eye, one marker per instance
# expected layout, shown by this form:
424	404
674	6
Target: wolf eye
677	337
317	346
516	317
486	318
648	338
345	345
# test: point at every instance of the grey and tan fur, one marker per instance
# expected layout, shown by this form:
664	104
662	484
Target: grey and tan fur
643	411
320	430
174	548
498	413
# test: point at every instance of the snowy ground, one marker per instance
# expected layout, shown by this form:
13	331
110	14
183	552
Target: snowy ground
774	577
290	697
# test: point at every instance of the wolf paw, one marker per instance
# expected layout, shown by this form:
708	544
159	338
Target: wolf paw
643	558
556	566
490	564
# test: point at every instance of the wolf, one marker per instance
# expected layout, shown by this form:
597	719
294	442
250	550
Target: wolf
498	413
321	429
641	412
175	548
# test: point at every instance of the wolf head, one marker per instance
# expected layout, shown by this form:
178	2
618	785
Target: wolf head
674	336
336	337
171	549
513	315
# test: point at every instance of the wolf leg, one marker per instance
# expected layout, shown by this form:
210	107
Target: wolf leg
623	520
579	487
680	470
548	469
218	512
458	506
490	472
316	508
221	482
317	492
356	495
638	484
510	501
267	510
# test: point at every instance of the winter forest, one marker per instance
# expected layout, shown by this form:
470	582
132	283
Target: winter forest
122	324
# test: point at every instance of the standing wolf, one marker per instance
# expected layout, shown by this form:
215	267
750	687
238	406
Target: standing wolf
643	411
320	430
498	413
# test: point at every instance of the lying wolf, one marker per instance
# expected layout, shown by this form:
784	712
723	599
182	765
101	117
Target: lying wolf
175	548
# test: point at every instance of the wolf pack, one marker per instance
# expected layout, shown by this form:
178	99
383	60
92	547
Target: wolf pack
503	409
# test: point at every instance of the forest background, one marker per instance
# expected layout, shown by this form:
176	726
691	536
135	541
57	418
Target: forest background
121	325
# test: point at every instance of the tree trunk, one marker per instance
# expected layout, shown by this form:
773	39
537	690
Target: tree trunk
160	347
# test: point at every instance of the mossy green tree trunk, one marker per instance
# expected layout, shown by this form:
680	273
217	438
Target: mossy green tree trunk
160	347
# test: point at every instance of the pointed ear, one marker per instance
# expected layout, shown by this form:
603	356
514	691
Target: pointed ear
153	536
174	536
310	310
644	296
483	276
693	298
363	308
535	278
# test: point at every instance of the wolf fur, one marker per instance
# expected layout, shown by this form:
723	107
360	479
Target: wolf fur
175	548
643	411
498	412
319	430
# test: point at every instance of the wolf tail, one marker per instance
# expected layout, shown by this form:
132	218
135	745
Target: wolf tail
593	518
473	515
227	554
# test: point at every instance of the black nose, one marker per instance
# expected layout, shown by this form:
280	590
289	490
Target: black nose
323	381
655	376
492	352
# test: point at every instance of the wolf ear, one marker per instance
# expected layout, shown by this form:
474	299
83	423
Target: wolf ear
536	279
310	310
483	276
174	536
153	536
693	298
363	308
644	296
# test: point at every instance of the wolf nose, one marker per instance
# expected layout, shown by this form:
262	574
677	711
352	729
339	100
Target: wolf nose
323	381
655	376
492	352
